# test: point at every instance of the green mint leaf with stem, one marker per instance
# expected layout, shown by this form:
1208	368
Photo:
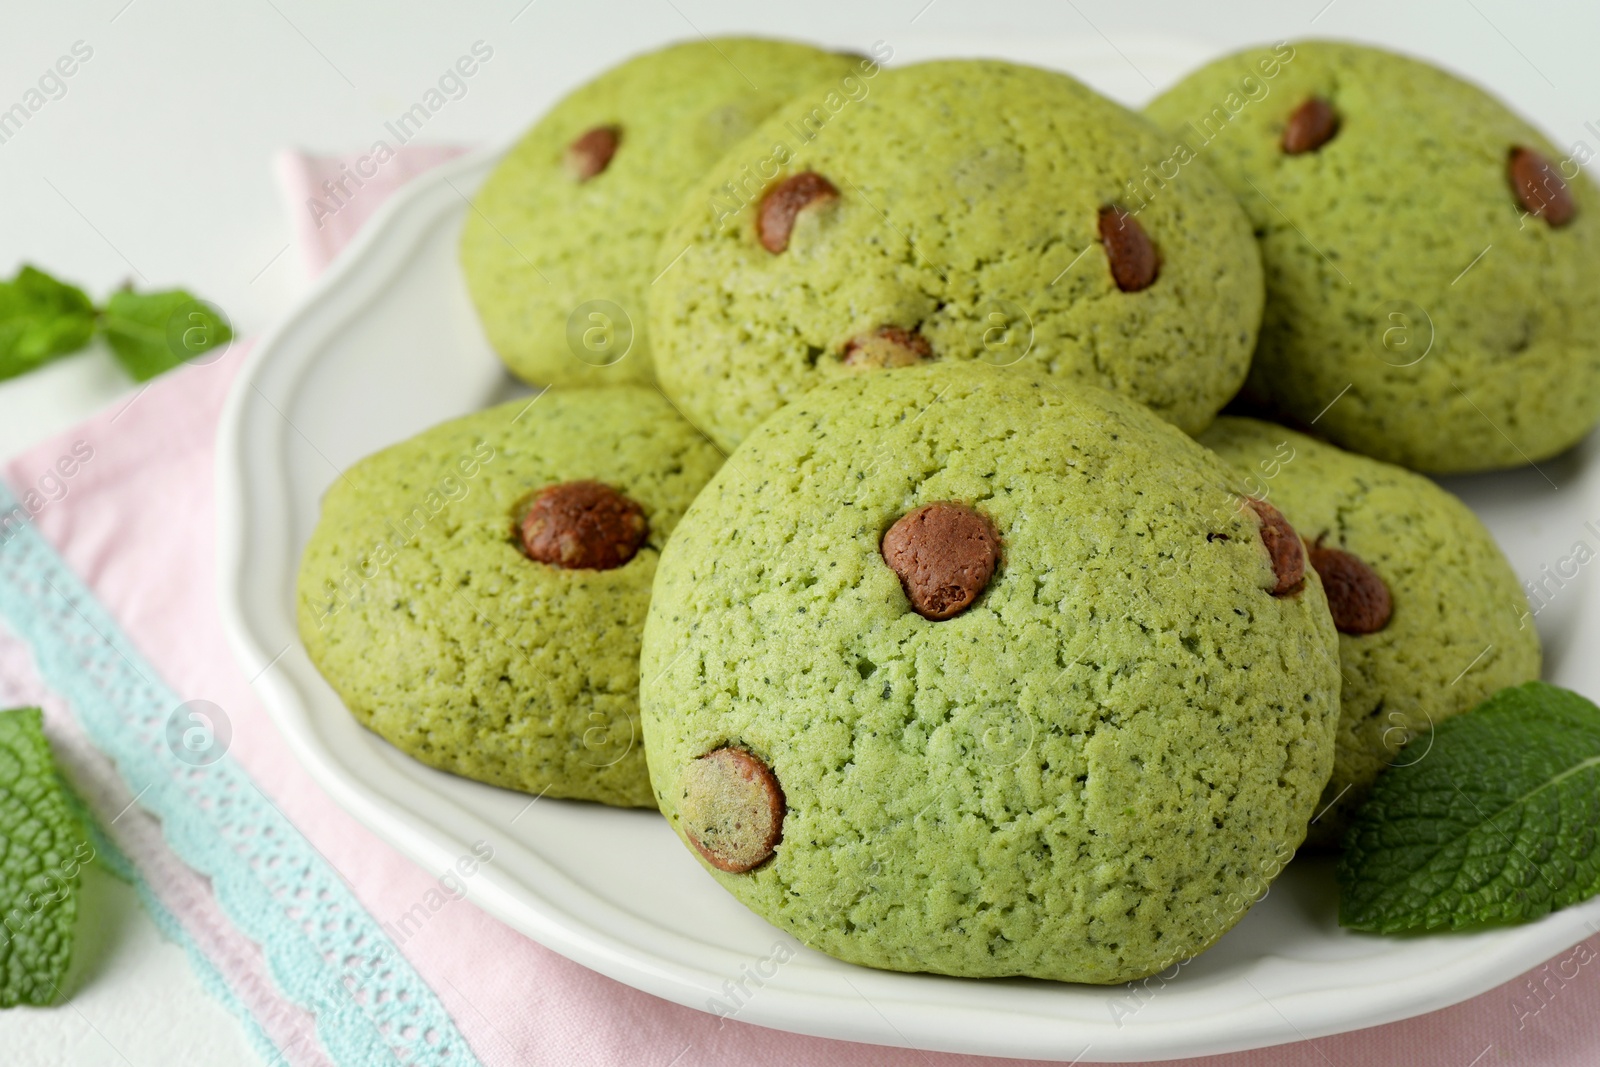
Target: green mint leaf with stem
151	333
1498	823
42	848
40	319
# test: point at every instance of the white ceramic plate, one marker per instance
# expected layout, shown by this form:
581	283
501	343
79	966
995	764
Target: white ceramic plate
388	345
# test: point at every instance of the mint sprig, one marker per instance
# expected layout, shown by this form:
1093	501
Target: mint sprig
42	847
148	333
1498	823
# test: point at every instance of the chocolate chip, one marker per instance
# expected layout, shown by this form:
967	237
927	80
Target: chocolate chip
582	526
784	201
1312	125
945	553
732	809
1357	597
591	153
887	346
1283	545
1539	188
1133	258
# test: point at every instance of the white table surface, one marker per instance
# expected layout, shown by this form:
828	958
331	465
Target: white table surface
155	165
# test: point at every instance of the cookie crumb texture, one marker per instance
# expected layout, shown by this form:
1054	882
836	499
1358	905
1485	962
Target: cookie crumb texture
418	605
968	212
1089	774
1456	631
1372	247
575	210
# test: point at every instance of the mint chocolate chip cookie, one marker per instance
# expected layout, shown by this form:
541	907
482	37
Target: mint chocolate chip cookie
1430	616
963	210
560	244
1431	259
476	594
975	671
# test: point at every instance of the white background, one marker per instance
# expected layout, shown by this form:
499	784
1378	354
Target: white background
156	165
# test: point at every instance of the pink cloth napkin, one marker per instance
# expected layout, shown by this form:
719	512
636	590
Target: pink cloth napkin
137	524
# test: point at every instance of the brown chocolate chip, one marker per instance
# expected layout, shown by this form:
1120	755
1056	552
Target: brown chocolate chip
1134	262
1312	125
732	809
591	153
945	553
784	201
1283	545
1539	188
1357	597
582	525
887	346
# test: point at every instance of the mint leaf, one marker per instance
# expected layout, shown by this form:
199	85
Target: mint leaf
97	846
40	319
150	333
41	849
1498	822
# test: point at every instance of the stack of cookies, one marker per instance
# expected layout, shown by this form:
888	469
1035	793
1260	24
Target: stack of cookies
876	523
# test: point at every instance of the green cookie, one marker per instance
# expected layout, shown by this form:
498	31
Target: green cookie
1089	774
418	605
1459	631
966	218
1415	311
558	265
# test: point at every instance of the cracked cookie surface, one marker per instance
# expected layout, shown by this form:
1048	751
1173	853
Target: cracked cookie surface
968	212
1459	629
1085	775
1414	312
419	605
574	211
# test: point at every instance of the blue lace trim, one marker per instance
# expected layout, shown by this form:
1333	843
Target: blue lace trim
109	856
209	976
326	953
